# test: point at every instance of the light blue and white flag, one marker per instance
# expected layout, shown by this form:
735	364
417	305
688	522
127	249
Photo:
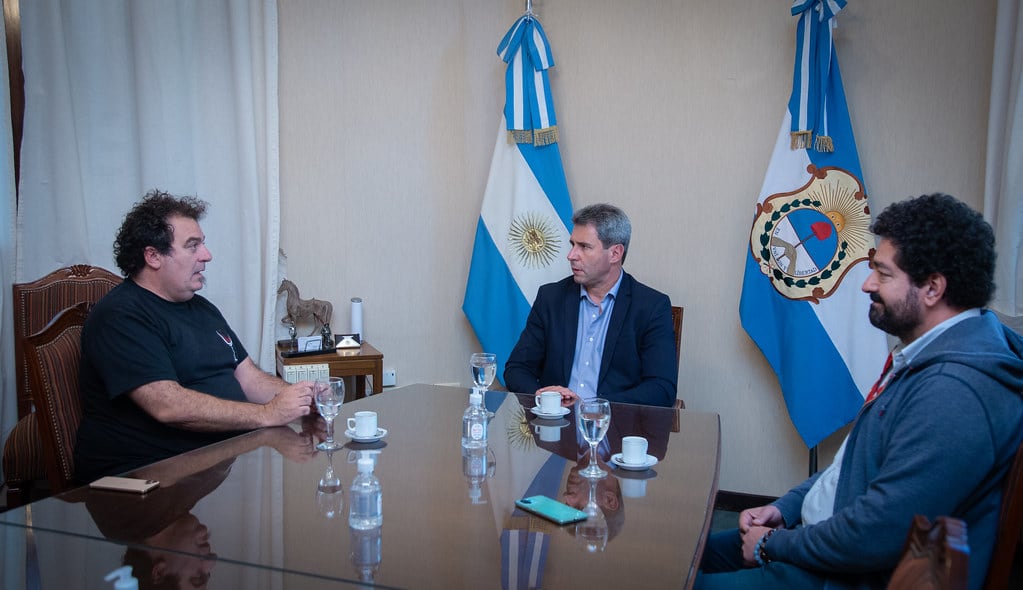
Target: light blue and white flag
523	229
810	243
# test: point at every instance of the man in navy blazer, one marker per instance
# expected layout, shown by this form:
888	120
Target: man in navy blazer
600	332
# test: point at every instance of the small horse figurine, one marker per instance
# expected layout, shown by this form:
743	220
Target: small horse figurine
304	309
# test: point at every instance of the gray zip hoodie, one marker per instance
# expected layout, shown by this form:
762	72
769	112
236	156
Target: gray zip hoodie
938	441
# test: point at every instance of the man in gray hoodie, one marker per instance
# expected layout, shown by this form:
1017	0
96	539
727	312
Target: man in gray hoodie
937	432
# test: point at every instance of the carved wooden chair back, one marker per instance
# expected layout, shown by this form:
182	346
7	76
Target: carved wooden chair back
934	557
676	324
36	303
54	357
1010	527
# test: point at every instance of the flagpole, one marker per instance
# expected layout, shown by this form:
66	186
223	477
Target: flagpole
813	460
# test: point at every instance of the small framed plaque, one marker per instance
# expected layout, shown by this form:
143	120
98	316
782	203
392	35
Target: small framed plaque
310	343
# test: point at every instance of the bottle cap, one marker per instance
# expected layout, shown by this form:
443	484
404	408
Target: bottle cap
124	579
365	465
475	398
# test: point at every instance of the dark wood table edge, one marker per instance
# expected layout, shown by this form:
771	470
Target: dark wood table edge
709	514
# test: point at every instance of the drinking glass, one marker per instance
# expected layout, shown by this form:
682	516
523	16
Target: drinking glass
329	492
484	369
329	397
594	418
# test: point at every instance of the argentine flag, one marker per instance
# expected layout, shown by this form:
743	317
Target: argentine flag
524	224
809	246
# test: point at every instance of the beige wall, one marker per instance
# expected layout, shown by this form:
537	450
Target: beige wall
389	112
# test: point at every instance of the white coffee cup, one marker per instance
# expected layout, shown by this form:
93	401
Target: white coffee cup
634	450
548	402
364	424
548	433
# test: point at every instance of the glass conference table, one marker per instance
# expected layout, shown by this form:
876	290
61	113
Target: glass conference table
247	512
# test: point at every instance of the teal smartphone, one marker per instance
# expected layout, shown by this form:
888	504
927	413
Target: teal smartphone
551	509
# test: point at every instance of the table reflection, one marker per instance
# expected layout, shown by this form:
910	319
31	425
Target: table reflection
451	517
595	531
561	437
330	494
478	465
164	520
168	546
654	424
366	551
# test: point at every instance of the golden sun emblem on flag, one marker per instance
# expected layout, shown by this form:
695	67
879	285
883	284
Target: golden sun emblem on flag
534	240
806	241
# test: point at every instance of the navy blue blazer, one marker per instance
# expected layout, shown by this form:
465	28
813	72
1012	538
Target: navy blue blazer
638	365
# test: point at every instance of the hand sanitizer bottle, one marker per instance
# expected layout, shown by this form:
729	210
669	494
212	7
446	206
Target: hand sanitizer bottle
124	579
474	423
366	511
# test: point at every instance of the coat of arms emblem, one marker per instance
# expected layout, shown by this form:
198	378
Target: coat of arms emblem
806	241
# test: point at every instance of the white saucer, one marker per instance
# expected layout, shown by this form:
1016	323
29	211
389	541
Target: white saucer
650	462
561	412
381	433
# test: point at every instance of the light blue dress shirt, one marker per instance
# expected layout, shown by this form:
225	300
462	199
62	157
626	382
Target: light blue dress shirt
591	332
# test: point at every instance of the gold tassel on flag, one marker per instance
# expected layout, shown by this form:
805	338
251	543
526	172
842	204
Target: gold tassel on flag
801	139
546	136
538	137
520	136
823	143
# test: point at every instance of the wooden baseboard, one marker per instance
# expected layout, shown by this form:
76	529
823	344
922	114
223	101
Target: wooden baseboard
739	501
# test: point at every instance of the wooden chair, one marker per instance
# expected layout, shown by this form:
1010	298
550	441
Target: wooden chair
934	557
23	461
54	356
34	305
676	324
38	302
1010	527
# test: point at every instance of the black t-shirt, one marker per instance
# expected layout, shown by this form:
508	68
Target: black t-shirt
133	337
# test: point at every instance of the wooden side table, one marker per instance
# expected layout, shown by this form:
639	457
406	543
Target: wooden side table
344	362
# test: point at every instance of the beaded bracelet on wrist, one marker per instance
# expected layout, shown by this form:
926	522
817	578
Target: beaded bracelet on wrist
760	550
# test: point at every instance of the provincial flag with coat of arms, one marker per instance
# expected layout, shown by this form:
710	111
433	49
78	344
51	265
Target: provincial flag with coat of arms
810	244
523	228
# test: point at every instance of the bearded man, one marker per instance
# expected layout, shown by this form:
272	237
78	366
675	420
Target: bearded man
936	434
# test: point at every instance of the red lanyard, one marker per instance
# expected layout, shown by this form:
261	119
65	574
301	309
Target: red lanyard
882	382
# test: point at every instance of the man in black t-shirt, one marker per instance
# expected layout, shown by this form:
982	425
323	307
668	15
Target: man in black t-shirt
162	372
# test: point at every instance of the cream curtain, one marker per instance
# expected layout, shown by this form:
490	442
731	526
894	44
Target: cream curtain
12	564
123	96
8	409
1003	196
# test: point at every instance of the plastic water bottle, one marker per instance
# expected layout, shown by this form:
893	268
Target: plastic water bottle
474	423
366	511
